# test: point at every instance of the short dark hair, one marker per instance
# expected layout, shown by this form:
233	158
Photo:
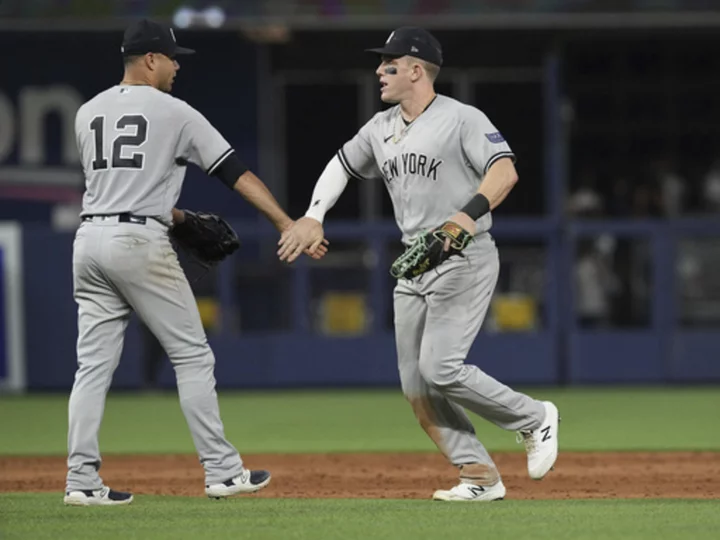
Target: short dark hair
433	70
131	58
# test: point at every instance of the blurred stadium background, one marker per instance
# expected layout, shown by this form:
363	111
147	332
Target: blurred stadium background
610	243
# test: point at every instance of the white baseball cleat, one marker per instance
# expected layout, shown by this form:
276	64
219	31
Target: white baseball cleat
471	492
542	444
97	497
248	482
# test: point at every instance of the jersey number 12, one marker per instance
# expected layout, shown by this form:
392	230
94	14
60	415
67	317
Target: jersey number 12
137	159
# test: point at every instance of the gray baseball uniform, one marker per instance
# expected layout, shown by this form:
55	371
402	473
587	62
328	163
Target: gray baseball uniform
432	168
135	142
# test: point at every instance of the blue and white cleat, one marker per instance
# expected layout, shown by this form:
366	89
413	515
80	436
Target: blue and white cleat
248	482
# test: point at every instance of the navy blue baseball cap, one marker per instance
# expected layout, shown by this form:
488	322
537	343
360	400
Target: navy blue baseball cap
412	41
146	36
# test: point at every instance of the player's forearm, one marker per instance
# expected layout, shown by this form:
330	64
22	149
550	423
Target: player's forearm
327	190
498	182
256	193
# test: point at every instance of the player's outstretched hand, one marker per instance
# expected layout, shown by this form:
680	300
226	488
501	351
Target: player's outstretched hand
304	235
319	252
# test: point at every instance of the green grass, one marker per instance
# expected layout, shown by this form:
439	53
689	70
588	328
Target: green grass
593	419
352	421
172	518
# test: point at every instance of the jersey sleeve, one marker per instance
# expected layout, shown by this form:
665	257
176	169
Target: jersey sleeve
356	155
482	143
200	143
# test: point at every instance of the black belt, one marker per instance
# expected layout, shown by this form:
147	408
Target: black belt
122	218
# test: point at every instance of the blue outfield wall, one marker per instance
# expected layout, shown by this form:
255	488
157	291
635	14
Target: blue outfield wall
560	353
224	87
663	352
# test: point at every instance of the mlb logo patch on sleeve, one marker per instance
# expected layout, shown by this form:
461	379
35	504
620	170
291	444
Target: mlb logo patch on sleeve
495	138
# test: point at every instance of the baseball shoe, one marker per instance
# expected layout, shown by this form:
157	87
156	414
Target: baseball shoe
542	444
471	492
97	497
248	482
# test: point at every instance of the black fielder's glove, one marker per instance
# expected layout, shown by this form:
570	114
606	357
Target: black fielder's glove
428	250
208	238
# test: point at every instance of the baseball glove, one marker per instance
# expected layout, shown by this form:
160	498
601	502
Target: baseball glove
208	238
428	250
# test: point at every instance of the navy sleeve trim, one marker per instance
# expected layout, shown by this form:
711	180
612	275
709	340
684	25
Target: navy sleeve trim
219	160
497	157
346	165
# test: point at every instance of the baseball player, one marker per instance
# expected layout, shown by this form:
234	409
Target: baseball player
445	167
135	142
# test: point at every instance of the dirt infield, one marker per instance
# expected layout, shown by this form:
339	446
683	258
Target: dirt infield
396	476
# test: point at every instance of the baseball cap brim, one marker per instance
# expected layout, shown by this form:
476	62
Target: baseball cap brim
389	50
131	51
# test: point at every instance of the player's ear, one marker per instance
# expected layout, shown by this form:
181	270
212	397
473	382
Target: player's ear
415	71
150	61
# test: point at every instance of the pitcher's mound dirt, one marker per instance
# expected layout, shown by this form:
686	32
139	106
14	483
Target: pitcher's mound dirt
395	476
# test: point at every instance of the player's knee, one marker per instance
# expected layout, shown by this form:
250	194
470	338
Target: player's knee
196	354
438	373
95	373
411	381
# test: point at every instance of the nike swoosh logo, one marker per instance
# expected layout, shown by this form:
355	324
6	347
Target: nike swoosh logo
388	138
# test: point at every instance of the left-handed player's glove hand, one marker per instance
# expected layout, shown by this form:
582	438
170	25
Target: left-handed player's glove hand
430	250
208	238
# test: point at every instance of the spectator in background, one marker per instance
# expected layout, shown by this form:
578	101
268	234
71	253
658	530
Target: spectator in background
595	282
586	200
671	186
